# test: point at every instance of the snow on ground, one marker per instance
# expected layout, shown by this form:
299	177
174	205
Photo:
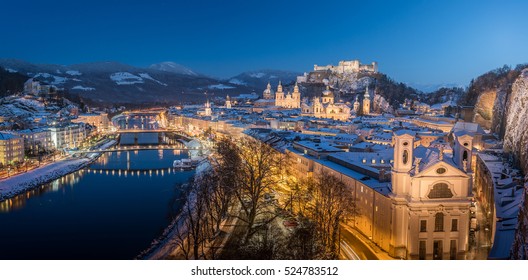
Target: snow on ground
10	70
257	75
125	78
20	183
73	73
21	107
52	79
147	76
220	86
237	82
83	88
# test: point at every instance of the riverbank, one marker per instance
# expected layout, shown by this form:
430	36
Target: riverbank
21	183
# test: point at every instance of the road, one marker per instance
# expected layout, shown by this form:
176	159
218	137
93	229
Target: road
355	248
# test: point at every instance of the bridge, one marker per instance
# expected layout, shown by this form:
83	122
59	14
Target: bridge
134	172
137	148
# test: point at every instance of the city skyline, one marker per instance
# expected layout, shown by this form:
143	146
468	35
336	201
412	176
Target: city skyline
414	42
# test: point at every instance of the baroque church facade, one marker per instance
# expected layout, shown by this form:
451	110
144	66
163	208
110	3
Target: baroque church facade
431	197
326	107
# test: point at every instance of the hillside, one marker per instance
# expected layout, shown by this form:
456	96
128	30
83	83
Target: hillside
388	94
11	81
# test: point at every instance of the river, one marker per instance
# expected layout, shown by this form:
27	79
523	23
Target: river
104	211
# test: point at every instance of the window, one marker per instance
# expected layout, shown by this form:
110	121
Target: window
465	156
405	157
439	222
422	249
437	250
454	225
423	226
441	170
452	250
440	190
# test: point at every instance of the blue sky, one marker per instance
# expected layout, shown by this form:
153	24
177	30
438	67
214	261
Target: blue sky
426	42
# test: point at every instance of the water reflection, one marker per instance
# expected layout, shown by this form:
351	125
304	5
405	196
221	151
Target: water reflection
103	214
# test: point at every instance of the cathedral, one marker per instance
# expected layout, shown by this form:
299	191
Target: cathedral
325	107
290	100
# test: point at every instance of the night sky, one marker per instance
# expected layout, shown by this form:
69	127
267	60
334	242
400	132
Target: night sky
426	42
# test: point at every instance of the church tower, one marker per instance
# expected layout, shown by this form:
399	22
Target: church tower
296	95
463	150
403	141
366	102
356	105
208	111
267	94
328	96
279	95
228	102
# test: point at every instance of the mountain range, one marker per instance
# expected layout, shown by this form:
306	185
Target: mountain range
113	83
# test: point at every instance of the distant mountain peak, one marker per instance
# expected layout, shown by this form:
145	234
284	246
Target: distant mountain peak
173	67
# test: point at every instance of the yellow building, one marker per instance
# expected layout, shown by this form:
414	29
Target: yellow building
11	148
325	107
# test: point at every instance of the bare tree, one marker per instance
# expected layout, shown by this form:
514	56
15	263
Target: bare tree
331	203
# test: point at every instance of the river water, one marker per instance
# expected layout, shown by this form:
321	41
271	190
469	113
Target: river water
112	209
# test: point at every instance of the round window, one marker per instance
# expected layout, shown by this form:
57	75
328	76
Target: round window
466	144
441	170
405	143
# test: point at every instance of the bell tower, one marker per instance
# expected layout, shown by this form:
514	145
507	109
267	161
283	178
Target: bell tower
366	102
403	161
463	150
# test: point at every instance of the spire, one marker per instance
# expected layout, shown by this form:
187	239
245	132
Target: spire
279	87
269	86
367	94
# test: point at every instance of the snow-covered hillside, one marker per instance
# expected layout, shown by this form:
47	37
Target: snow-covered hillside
172	67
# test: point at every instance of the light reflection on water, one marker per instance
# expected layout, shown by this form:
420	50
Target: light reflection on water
104	214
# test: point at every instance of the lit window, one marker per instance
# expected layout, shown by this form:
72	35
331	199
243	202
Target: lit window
439	222
440	190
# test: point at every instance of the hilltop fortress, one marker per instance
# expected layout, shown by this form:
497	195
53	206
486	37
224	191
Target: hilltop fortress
348	66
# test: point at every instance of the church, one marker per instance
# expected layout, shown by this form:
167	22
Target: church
431	197
290	100
366	103
325	107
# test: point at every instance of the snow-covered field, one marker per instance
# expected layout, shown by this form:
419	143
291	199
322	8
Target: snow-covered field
73	73
220	86
20	183
237	82
148	77
83	88
52	79
125	78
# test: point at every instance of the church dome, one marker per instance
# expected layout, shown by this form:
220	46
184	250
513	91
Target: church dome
328	92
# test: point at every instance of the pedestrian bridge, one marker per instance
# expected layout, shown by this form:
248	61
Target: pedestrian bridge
136	148
134	172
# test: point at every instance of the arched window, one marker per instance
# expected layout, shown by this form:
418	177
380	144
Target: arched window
439	222
405	157
440	190
465	156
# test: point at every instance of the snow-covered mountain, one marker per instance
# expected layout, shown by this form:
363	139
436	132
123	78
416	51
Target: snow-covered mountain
173	67
114	82
428	88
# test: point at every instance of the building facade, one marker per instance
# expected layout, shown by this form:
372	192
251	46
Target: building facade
68	136
348	66
11	148
37	140
290	100
325	107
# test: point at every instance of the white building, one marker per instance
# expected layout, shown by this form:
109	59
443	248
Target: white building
68	136
431	195
37	140
348	66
